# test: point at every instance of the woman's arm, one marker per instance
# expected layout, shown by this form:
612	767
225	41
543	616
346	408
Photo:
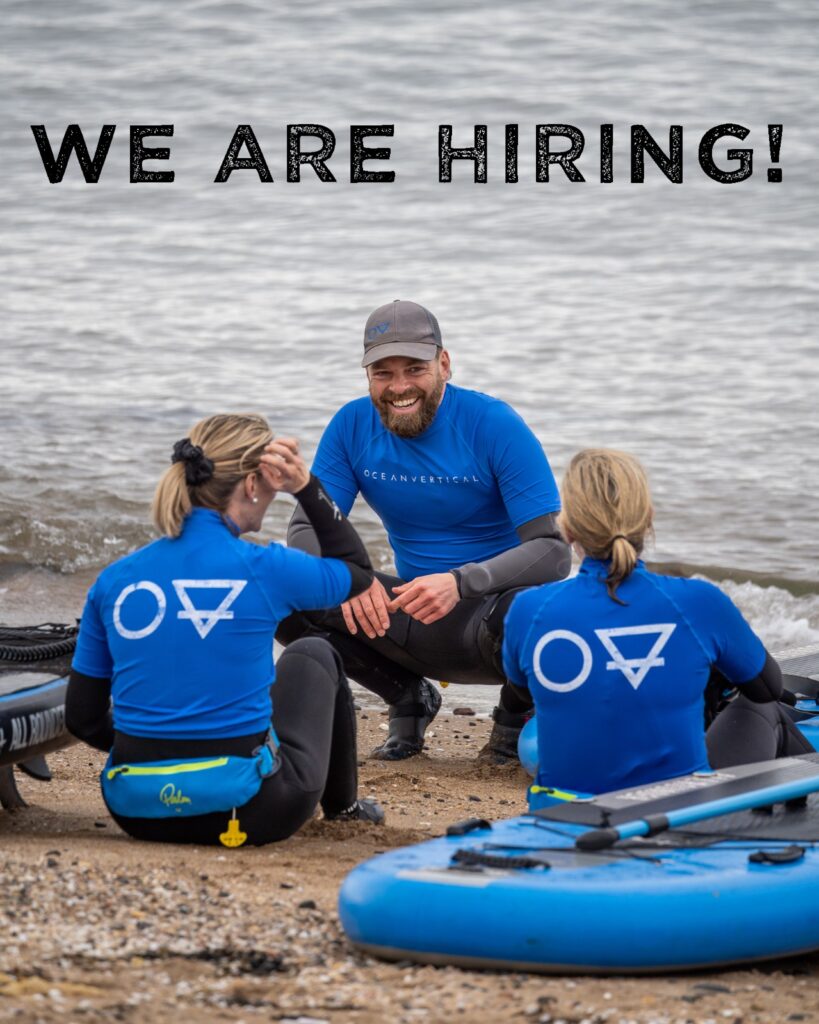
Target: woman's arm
88	710
336	537
285	470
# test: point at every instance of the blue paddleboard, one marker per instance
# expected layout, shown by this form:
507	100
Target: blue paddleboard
519	894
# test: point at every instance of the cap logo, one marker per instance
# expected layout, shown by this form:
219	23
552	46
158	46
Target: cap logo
381	328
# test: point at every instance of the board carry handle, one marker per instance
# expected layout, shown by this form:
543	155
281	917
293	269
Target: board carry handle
652	824
800	686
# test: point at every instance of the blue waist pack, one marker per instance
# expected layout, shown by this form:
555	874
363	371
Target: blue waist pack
165	789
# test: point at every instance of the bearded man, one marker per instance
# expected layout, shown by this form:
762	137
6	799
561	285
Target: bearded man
468	501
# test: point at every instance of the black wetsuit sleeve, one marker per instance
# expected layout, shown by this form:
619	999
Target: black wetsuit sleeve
88	710
333	534
301	535
541	557
766	686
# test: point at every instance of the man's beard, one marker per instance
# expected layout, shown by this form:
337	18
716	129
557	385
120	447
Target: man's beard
409	424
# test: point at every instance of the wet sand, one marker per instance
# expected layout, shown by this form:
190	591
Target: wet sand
99	927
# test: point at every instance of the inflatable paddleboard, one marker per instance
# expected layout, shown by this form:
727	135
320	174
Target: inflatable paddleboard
33	680
32	715
519	894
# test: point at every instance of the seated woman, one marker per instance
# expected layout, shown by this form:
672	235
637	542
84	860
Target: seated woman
180	635
618	659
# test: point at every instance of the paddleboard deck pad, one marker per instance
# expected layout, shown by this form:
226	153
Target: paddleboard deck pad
518	895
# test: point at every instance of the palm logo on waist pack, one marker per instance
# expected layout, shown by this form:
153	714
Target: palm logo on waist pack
202	619
635	669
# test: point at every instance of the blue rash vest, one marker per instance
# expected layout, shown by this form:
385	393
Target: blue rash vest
184	628
453	495
619	690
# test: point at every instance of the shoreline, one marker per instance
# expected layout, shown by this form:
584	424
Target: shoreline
100	927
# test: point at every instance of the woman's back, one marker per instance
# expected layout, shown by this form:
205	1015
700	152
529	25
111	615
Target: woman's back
184	628
619	687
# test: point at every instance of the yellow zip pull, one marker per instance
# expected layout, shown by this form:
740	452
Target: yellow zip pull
441	681
233	837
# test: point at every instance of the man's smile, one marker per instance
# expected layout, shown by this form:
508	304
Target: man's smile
405	404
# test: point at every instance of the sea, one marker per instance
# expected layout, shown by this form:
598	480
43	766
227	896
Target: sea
675	320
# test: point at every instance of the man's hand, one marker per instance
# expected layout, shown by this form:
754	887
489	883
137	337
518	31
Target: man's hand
369	610
282	466
427	598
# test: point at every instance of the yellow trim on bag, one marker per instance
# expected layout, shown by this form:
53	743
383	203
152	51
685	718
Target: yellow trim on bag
168	769
558	794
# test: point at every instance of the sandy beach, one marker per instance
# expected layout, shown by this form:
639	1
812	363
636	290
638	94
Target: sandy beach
99	927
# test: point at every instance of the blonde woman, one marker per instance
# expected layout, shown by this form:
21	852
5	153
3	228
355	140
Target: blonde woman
618	658
179	635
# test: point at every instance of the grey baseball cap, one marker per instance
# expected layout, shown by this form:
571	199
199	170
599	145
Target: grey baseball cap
401	328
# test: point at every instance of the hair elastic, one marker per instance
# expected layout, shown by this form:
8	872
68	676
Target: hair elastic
198	467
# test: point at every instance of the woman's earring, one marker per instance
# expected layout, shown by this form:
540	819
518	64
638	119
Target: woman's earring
255	500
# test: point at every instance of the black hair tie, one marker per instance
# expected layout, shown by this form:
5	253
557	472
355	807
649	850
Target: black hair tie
198	467
620	536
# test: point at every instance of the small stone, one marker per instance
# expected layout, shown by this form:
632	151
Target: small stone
100	824
463	711
307	905
474	799
286	885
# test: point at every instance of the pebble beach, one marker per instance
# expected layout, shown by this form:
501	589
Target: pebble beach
99	927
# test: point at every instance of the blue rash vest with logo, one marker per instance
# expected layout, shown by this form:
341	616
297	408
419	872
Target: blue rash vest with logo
452	495
184	628
619	689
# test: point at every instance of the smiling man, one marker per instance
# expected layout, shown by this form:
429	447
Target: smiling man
469	503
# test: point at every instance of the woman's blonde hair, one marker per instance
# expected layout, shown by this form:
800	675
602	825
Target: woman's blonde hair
607	509
207	466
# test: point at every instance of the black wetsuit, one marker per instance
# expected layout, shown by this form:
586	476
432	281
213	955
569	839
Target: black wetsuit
755	724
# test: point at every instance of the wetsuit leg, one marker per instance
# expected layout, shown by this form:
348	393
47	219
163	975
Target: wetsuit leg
371	668
310	692
315	720
514	700
463	647
454	648
745	732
